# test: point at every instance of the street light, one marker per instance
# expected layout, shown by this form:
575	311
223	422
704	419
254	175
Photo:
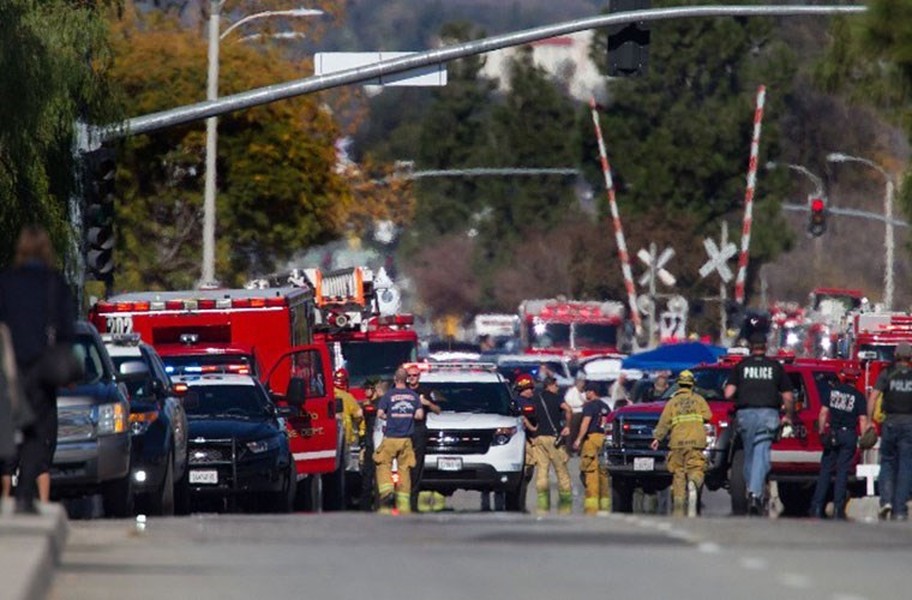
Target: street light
816	180
888	219
215	36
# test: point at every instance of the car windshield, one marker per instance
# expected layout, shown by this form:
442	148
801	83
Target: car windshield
138	388
488	398
709	384
594	334
836	304
226	400
209	363
549	335
373	360
88	355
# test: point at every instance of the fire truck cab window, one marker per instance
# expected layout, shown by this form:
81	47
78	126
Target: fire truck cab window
883	352
798	392
594	334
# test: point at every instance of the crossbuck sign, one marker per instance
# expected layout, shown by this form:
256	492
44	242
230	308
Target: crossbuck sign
718	258
655	265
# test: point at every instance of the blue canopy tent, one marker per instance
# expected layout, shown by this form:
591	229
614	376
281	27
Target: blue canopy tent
673	357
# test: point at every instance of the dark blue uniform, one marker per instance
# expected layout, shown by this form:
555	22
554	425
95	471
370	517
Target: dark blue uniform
895	477
846	404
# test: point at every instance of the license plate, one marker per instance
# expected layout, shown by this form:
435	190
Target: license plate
449	463
643	463
204	477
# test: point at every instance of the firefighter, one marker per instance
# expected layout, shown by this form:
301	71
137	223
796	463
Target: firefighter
372	393
553	416
682	422
352	415
400	408
589	443
525	390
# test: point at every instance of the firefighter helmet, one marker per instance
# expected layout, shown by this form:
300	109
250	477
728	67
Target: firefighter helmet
524	382
686	379
340	376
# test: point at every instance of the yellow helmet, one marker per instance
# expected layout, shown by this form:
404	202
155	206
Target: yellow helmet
686	379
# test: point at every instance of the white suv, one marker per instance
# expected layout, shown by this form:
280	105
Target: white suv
477	442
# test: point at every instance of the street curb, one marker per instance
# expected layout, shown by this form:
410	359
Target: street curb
30	550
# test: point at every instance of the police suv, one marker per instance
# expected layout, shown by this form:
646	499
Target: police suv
477	442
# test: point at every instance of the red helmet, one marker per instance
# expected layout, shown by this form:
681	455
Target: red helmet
524	382
341	376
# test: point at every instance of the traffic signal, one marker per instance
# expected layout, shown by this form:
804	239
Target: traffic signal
817	223
98	190
628	44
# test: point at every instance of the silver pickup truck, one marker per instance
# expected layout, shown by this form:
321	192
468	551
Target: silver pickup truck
93	436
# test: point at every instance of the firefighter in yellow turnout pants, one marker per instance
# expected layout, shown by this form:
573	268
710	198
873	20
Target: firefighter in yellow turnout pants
399	407
553	416
589	444
682	422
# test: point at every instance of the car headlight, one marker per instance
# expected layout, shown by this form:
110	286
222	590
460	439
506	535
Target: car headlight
503	435
260	446
140	421
111	418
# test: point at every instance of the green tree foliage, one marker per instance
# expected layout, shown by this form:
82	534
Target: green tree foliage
278	187
53	65
678	138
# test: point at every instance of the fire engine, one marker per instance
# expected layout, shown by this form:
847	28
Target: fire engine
357	319
248	332
573	327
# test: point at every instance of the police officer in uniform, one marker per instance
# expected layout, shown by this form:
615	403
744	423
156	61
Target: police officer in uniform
896	434
682	422
842	408
759	386
589	444
400	408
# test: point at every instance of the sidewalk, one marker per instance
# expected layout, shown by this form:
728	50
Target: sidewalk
30	549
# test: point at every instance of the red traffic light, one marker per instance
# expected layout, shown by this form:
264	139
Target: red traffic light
817	205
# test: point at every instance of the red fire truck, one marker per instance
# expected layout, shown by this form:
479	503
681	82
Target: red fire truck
572	327
246	331
355	319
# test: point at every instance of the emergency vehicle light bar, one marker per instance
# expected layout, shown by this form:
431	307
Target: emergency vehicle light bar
396	320
454	366
191	304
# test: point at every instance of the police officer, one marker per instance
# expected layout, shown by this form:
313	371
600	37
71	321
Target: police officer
588	443
553	416
682	422
895	476
759	386
400	408
842	408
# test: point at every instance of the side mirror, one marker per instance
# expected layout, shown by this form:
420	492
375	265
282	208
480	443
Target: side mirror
287	411
133	370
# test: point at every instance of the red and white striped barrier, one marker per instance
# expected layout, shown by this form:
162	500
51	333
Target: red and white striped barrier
749	197
616	217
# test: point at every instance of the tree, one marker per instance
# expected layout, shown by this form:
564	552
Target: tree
53	67
678	137
279	189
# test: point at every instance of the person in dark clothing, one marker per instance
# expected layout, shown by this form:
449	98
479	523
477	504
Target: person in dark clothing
895	479
36	305
419	437
842	409
759	386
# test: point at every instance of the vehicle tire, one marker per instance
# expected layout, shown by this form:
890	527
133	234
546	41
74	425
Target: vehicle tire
621	495
310	494
737	487
117	497
283	501
515	500
161	502
796	498
182	502
334	489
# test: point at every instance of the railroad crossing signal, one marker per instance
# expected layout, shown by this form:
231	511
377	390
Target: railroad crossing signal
718	258
655	266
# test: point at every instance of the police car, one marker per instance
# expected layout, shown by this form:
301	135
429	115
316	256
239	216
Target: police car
477	442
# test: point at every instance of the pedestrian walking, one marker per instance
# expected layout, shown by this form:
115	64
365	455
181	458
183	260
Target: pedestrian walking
843	413
589	444
419	437
36	305
895	479
682	422
400	408
553	416
759	387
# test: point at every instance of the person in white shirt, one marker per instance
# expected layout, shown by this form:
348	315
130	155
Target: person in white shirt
575	396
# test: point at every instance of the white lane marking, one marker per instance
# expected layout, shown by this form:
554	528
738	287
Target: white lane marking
753	563
795	580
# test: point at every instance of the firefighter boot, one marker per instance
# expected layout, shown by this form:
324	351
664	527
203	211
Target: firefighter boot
693	499
387	504
404	503
605	504
544	502
679	507
565	503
